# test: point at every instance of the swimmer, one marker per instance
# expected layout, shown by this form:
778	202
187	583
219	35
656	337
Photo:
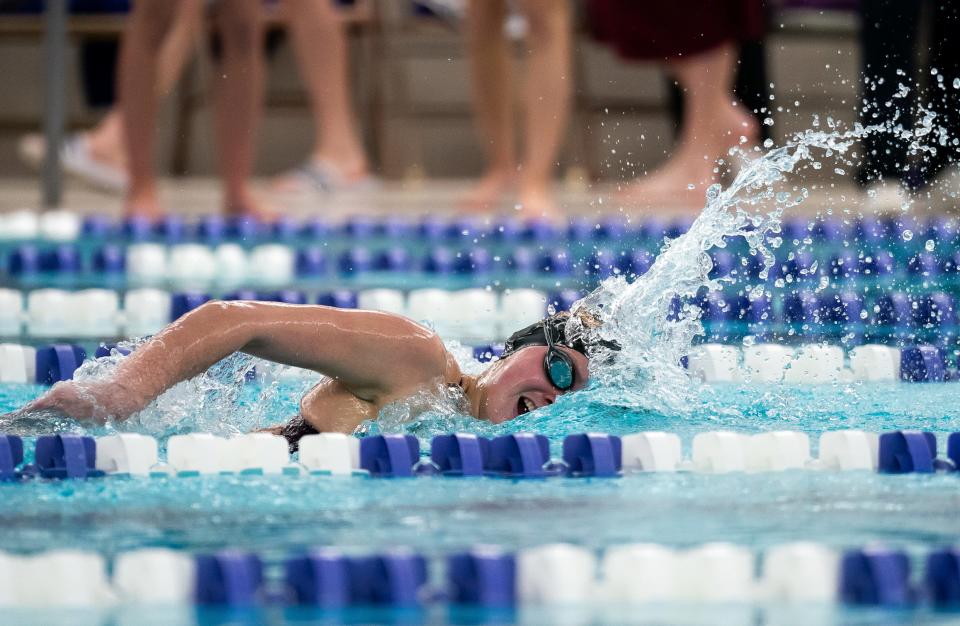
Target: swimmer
368	359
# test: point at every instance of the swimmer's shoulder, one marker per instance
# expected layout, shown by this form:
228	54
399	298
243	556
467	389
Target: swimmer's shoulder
425	348
402	341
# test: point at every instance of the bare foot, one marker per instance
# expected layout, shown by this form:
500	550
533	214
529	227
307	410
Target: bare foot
683	180
489	191
143	203
248	204
538	202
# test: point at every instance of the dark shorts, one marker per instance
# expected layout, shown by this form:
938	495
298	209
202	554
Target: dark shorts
656	30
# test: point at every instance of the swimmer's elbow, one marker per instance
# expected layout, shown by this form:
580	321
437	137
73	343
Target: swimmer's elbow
222	320
213	313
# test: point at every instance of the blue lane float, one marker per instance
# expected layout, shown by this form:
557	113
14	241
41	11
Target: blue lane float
439	261
110	259
212	229
922	364
491	578
138	228
905	451
63	259
228	578
320	578
942	578
11	457
393	579
338	298
25	259
522	455
58	362
876	577
172	229
98	227
461	454
356	260
483	577
831	233
285	229
311	262
592	454
517	456
66	456
389	455
395	259
474	262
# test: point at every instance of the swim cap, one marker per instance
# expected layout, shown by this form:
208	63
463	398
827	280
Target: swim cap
536	335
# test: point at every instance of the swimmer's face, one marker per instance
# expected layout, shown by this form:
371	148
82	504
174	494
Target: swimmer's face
518	384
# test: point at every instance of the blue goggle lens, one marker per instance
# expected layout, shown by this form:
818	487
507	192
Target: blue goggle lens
560	373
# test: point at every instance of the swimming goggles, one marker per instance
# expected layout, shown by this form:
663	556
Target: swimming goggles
557	364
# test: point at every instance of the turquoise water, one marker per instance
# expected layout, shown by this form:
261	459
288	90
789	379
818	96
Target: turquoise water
274	514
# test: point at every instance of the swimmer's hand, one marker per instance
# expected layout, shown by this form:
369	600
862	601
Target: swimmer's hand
88	401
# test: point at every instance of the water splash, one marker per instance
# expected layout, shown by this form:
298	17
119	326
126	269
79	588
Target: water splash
217	401
646	374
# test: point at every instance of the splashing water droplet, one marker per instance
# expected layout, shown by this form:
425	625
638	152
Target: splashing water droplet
653	318
907	235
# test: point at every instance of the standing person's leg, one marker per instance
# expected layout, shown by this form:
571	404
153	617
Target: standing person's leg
106	138
98	156
713	121
547	107
238	95
320	44
887	40
148	23
491	74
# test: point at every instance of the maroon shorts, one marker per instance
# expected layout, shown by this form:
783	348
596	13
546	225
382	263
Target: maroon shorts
656	30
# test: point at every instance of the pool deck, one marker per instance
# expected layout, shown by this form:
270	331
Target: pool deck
196	196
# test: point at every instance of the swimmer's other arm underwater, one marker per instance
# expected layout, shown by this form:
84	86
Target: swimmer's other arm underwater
370	359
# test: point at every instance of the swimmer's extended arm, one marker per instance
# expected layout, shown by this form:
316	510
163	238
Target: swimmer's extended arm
371	354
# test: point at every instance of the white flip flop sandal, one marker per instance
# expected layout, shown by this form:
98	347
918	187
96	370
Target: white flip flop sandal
323	177
77	161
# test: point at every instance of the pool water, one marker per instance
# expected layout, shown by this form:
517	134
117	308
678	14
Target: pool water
275	514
